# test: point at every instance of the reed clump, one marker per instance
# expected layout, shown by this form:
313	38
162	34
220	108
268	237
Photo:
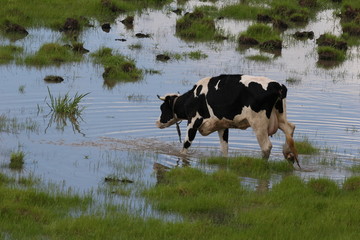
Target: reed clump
52	54
17	160
117	68
8	53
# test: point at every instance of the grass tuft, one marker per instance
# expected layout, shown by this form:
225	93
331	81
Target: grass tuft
331	54
249	166
66	105
17	160
197	26
324	187
118	68
352	184
306	147
8	53
259	58
261	35
52	54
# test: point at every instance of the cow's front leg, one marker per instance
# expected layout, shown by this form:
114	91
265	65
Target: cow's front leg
263	140
224	137
192	127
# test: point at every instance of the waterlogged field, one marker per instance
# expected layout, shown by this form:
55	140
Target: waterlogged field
107	158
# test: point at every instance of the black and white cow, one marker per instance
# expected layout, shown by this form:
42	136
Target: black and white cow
231	101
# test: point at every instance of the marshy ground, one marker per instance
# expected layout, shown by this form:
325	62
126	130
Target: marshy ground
99	162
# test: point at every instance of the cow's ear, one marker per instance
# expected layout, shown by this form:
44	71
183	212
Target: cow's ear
161	98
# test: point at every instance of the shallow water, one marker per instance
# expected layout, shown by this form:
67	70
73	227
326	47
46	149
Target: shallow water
118	135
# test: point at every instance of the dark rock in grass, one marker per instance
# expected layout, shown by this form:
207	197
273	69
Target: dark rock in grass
79	48
106	27
53	79
280	24
108	72
128	22
352	29
70	25
142	35
120	39
219	37
350	13
248	41
323	40
197	14
308	3
177	11
328	55
162	57
304	35
128	67
115	180
14	28
271	45
109	4
299	18
264	18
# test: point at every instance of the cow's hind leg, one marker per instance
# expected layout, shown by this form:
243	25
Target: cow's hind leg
224	137
289	149
192	127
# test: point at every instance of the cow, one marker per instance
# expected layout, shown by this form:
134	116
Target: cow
232	101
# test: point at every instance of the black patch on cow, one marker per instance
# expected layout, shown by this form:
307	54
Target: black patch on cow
279	104
192	131
226	135
187	144
198	90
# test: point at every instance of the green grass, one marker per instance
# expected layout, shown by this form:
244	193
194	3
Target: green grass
52	54
259	58
197	26
292	209
306	147
8	53
249	166
17	160
212	206
241	11
261	35
261	32
52	14
117	68
196	55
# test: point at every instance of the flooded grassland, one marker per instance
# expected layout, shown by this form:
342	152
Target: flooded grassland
114	150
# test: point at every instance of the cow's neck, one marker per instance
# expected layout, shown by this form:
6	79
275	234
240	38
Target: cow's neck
179	106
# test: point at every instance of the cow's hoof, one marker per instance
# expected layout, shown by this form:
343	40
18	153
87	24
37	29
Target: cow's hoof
290	158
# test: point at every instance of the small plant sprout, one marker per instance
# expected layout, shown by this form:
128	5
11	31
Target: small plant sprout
22	89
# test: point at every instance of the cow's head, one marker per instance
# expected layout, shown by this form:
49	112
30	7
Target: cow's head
167	116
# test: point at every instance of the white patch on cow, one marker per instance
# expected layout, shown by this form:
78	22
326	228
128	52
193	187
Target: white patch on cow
217	85
204	83
264	81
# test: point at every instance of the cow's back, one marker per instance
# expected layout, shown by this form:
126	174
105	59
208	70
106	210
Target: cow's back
227	95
